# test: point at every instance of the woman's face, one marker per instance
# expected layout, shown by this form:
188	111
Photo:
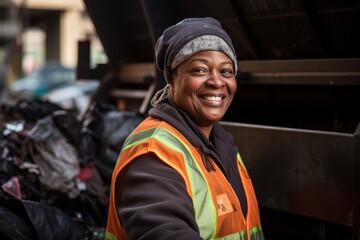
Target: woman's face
204	86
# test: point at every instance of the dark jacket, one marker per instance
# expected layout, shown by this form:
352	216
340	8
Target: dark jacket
155	217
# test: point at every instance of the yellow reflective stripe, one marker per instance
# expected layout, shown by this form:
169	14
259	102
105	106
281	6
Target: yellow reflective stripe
240	159
200	189
138	137
256	233
110	236
205	213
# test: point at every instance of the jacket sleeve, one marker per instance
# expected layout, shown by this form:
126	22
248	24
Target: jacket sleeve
152	201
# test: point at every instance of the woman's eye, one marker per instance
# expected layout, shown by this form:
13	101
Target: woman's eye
199	70
226	72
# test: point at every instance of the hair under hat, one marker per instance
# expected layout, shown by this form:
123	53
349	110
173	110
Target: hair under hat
186	38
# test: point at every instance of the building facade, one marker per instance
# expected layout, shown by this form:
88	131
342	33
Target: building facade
33	32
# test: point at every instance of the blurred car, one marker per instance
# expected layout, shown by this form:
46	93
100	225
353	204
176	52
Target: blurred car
75	96
42	80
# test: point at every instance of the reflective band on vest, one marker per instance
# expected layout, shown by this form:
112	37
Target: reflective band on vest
216	207
205	211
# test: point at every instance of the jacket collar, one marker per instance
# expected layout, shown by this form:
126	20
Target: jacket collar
170	113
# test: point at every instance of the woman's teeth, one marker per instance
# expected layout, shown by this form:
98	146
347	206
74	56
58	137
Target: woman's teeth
212	98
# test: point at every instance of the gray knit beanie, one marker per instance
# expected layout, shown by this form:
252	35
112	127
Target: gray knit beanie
184	39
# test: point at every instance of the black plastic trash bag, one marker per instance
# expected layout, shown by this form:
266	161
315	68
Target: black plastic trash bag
32	220
30	110
56	157
13	226
104	131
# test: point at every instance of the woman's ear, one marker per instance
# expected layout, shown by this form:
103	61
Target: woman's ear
171	83
171	78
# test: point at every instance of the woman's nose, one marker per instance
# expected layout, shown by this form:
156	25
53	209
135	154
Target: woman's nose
215	80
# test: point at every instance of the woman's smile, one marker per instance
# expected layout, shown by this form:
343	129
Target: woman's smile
212	100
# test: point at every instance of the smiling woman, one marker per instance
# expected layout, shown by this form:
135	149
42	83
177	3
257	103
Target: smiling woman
179	174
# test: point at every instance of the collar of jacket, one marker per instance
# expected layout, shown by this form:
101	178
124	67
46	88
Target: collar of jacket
173	115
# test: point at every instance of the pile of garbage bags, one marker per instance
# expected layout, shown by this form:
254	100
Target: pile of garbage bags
55	169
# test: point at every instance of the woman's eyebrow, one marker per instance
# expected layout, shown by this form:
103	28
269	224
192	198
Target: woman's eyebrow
207	61
199	59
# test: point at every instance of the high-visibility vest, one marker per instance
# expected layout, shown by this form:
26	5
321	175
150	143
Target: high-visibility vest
217	209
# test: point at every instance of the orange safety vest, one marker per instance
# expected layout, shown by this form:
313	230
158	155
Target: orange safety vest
217	209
